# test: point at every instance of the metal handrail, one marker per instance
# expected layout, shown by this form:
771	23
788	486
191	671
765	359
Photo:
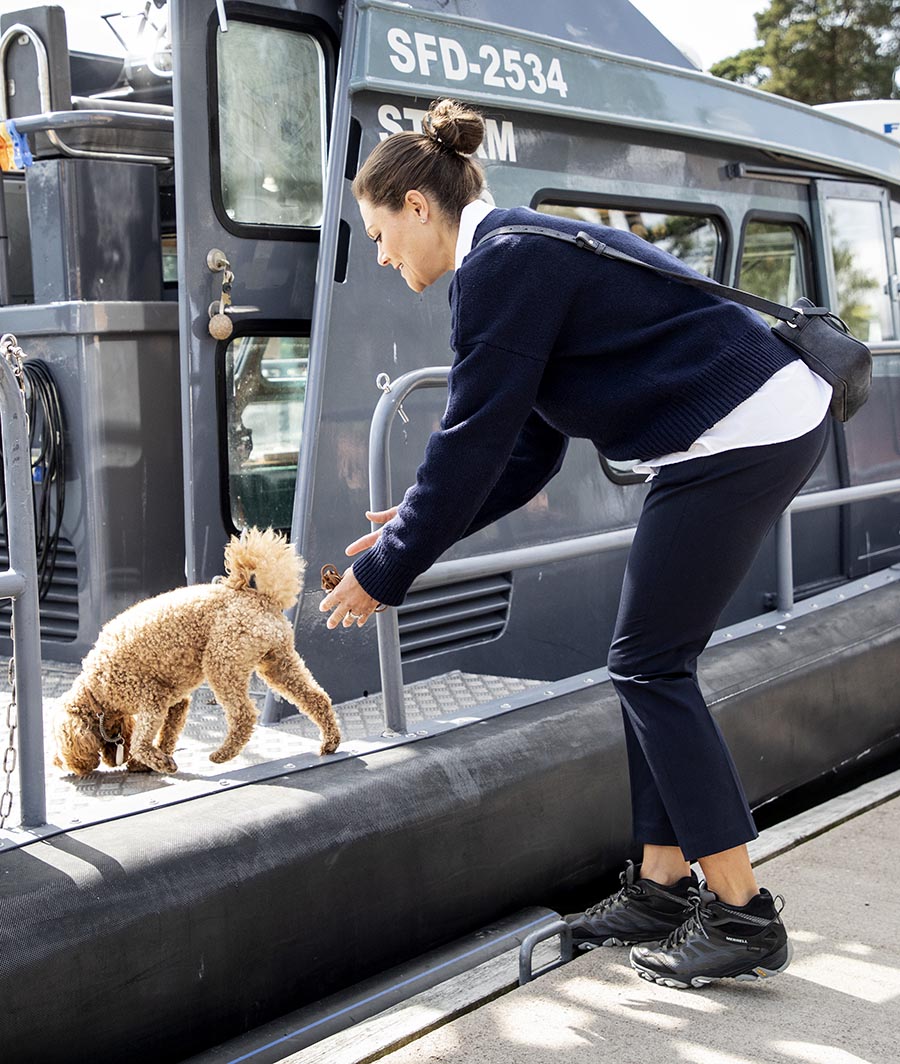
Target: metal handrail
94	118
381	498
20	583
43	64
818	500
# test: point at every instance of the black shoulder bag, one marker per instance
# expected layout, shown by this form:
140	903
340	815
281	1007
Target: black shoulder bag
819	337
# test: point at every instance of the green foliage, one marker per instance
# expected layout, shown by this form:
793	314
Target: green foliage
770	264
853	283
821	51
746	68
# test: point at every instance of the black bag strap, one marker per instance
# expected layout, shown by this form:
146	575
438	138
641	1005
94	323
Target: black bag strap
736	295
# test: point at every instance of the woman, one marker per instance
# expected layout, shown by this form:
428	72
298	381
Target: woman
551	342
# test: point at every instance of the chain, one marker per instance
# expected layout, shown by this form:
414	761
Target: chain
10	350
12	721
14	355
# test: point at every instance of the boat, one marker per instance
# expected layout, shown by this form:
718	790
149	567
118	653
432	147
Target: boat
187	261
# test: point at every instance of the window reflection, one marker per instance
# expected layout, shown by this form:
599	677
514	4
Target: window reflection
271	125
860	267
265	391
771	263
692	238
873	440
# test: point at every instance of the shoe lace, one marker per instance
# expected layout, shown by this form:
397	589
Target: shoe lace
692	925
628	888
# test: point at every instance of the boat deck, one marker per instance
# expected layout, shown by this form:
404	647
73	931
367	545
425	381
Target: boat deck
435	705
107	793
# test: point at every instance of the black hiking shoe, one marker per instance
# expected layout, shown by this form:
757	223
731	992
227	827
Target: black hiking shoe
719	941
640	911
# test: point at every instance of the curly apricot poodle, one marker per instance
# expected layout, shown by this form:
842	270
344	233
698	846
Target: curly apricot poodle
130	701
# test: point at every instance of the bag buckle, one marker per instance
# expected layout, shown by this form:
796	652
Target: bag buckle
583	240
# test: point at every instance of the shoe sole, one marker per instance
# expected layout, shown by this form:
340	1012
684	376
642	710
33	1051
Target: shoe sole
585	945
753	976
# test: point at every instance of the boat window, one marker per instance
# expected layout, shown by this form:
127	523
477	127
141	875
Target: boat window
693	238
860	267
873	440
170	259
271	120
265	391
772	262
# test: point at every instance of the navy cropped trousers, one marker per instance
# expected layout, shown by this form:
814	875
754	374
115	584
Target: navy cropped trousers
702	525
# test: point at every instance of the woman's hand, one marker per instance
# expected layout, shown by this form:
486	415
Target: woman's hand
381	517
350	602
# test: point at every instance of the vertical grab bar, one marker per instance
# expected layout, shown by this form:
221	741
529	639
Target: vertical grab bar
380	492
23	563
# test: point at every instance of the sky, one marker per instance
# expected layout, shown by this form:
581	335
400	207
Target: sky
707	29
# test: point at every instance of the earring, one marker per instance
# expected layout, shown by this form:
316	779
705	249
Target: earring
423	220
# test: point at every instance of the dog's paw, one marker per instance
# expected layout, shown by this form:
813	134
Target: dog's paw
133	765
329	746
221	755
157	761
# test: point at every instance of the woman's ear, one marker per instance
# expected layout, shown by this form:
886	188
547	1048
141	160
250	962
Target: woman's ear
417	203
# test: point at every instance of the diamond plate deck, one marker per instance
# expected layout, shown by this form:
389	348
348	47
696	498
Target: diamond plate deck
108	793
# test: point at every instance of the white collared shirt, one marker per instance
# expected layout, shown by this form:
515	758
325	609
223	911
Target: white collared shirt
473	214
790	403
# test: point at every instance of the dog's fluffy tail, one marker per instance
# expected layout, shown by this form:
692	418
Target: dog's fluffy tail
264	561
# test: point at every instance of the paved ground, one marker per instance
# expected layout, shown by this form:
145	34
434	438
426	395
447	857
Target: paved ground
839	1003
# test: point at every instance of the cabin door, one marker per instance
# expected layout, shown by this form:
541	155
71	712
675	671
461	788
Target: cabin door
862	281
252	91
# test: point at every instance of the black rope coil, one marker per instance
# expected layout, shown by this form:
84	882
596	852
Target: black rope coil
48	464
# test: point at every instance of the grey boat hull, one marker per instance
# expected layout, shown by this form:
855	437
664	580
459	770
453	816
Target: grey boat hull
173	930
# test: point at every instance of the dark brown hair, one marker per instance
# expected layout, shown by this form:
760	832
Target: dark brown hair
436	161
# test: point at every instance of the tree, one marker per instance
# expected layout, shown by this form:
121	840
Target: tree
821	51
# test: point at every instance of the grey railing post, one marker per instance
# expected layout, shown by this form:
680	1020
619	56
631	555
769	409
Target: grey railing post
784	563
380	498
817	500
22	564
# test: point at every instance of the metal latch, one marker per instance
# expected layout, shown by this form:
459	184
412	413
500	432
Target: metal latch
220	324
383	381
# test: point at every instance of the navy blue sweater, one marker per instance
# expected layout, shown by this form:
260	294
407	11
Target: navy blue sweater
552	342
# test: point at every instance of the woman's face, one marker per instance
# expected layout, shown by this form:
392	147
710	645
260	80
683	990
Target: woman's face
415	240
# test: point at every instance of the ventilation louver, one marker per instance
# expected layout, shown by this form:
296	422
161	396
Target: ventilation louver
454	616
59	608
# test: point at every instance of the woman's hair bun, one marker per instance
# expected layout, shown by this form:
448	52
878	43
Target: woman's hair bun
454	126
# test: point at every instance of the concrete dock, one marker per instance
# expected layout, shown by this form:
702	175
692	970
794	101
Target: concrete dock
839	1002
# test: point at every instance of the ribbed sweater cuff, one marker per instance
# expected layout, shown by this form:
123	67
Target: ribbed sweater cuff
381	577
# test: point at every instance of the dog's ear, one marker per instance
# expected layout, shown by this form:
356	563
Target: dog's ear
78	747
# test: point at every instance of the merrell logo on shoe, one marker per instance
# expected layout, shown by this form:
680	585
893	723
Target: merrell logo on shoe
742	941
